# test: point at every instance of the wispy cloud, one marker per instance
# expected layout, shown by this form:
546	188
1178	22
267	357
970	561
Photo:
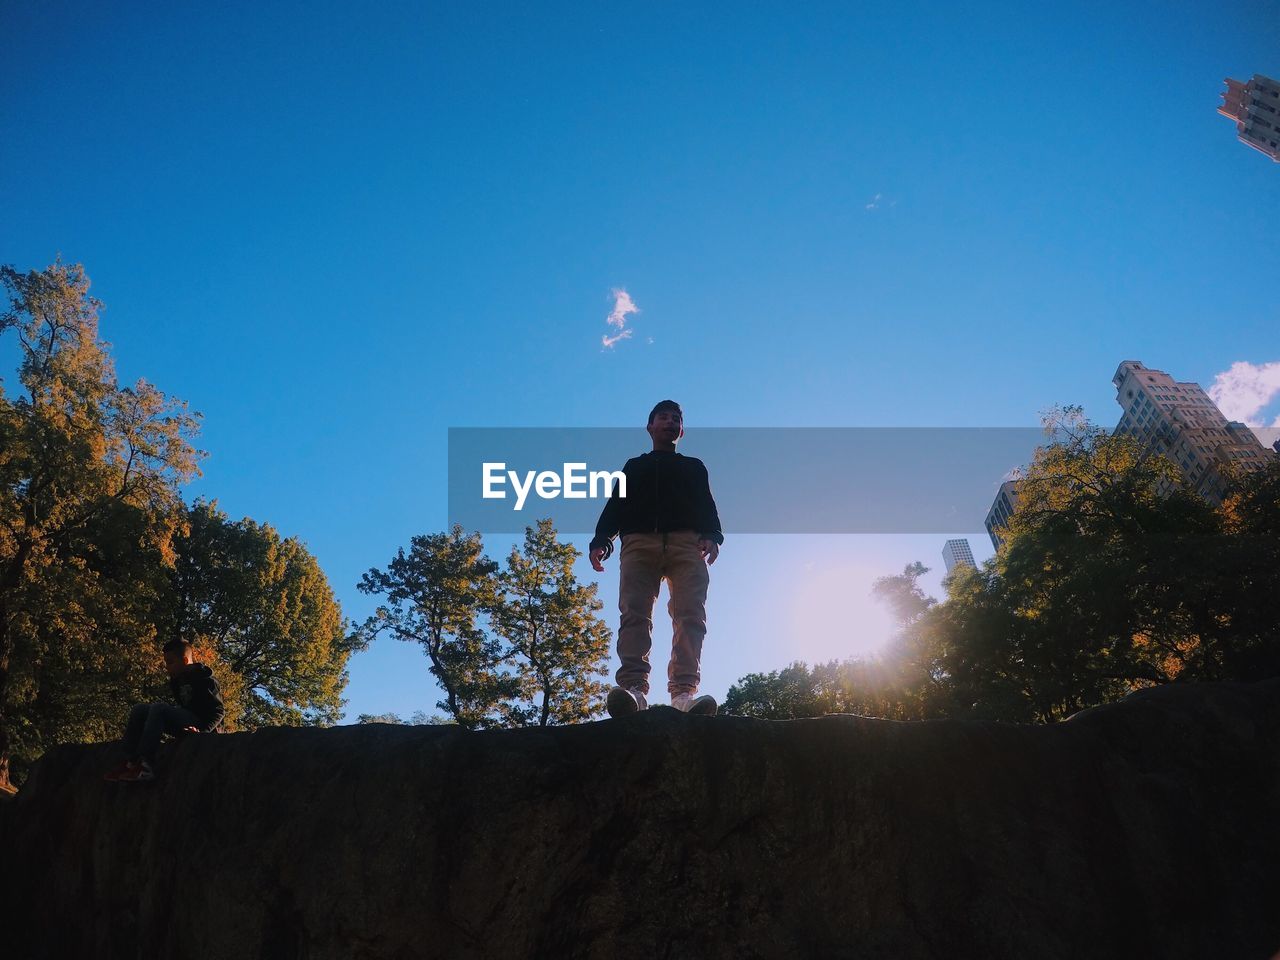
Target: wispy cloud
609	341
623	306
878	201
1245	389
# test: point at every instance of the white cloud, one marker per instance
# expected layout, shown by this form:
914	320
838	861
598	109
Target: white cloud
1244	390
608	341
875	202
623	306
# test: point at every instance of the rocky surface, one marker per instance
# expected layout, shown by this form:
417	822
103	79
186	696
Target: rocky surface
1149	828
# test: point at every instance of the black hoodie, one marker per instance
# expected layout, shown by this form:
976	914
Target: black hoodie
666	491
196	690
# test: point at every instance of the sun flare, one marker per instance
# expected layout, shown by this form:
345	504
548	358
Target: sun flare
834	616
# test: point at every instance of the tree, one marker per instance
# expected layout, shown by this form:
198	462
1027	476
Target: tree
555	642
435	593
1099	571
418	719
867	687
89	473
264	607
1247	568
785	694
84	637
1113	576
903	595
898	684
912	680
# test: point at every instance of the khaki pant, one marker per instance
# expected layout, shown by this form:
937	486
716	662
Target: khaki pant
646	559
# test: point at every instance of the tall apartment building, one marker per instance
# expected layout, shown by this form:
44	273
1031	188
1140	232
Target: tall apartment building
956	553
1173	418
1001	510
1179	420
1255	107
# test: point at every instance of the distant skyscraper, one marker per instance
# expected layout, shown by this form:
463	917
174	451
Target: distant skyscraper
1180	421
1001	510
956	553
1255	107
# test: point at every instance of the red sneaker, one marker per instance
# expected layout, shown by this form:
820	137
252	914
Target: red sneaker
115	773
137	772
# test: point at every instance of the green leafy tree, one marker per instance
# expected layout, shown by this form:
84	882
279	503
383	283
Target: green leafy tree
556	644
870	687
785	694
84	637
1113	576
898	684
89	474
903	595
262	605
1098	572
435	595
1244	577
418	719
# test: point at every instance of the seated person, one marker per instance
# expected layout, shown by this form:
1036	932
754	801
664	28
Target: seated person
199	710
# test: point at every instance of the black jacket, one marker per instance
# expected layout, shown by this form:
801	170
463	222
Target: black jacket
196	690
665	492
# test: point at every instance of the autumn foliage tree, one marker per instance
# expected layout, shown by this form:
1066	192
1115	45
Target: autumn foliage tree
1111	576
101	560
263	607
89	476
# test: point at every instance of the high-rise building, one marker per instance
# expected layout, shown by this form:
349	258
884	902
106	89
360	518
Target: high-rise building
1001	510
1255	107
1179	420
1173	418
956	553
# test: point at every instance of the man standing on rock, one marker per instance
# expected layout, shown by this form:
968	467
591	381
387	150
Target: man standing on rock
670	530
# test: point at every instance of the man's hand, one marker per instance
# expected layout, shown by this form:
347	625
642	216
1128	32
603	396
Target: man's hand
597	555
710	550
190	729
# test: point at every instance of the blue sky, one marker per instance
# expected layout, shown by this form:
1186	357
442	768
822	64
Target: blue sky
338	231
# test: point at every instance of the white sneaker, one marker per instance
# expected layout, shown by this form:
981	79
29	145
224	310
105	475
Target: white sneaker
624	701
688	703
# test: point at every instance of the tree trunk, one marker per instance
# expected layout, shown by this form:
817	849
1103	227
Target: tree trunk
5	644
12	577
432	647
